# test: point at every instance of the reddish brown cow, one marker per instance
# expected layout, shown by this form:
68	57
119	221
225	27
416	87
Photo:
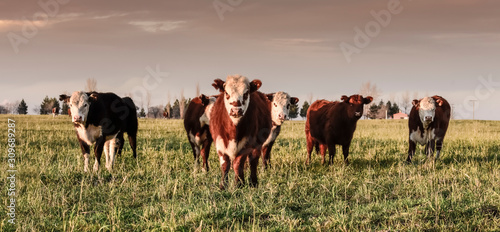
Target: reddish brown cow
428	122
165	114
55	112
240	122
330	123
196	124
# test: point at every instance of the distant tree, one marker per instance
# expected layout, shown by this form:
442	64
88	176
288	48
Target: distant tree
303	111
48	104
155	112
168	110
64	109
142	114
182	105
369	89
405	102
175	110
373	111
392	108
294	111
3	110
22	108
91	85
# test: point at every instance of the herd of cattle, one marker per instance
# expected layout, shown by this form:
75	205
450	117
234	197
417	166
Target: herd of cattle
244	123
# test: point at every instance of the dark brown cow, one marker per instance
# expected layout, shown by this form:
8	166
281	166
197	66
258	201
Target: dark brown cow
165	114
330	123
428	122
240	123
196	124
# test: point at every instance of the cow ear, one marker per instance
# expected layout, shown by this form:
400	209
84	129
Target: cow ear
367	100
415	102
344	98
204	100
64	98
93	96
438	99
255	85
270	96
219	85
294	100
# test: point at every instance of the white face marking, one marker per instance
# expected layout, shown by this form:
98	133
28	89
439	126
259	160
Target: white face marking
90	134
427	111
424	138
272	136
237	91
280	107
232	148
205	118
79	105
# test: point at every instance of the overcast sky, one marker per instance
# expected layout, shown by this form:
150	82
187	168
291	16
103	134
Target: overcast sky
445	47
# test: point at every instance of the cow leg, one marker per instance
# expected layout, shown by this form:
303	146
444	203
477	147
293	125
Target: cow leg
310	144
132	140
225	165
112	153
266	154
411	150
120	142
254	162
345	151
205	152
86	153
107	151
99	145
322	151
196	151
439	146
430	148
239	168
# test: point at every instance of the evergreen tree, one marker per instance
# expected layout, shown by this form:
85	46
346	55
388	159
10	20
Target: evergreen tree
64	109
303	111
294	111
142	114
48	104
176	112
22	108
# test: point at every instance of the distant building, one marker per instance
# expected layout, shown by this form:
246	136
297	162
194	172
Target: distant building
400	115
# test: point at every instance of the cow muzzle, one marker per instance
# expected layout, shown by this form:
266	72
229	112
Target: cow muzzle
236	112
357	114
282	117
428	118
77	119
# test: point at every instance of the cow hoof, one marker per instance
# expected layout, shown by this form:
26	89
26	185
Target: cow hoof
96	167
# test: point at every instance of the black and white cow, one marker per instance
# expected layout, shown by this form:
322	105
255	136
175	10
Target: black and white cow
98	118
428	123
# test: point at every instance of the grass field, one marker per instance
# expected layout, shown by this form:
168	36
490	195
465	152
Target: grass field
163	191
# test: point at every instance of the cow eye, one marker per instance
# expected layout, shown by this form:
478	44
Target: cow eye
275	105
85	105
288	106
227	95
245	96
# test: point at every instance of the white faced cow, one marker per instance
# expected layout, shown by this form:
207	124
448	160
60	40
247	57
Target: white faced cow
240	123
428	122
279	103
99	118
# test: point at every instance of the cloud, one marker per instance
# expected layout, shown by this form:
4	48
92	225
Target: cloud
157	26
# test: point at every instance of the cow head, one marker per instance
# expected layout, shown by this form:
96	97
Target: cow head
236	90
426	110
355	105
280	106
79	105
